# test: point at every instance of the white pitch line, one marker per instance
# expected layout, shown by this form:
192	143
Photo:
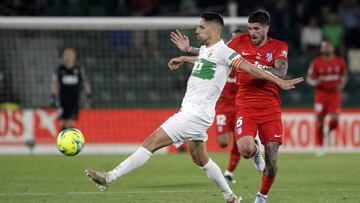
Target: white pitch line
97	193
155	191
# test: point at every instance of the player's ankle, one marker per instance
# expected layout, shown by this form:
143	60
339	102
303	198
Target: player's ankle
228	173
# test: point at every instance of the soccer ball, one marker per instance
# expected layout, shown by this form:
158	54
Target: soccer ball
70	141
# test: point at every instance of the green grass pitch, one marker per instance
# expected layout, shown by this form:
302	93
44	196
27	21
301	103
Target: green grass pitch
174	178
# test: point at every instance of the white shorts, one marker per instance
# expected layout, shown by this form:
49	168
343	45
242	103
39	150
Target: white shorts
185	126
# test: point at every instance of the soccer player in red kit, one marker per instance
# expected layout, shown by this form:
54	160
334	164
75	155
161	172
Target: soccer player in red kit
258	102
328	75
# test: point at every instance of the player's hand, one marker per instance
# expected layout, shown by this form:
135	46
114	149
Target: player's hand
180	40
175	63
290	84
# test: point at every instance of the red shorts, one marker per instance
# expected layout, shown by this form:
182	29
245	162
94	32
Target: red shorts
268	127
327	105
225	122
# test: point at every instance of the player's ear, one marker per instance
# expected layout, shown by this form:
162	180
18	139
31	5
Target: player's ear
266	28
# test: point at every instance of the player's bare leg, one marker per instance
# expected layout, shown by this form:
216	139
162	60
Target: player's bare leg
157	140
223	140
271	151
200	157
250	148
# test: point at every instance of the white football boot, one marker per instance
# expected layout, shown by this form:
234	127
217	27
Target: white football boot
258	159
234	199
260	198
99	178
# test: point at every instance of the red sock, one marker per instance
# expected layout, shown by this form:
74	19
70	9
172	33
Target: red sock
333	124
319	137
266	184
234	158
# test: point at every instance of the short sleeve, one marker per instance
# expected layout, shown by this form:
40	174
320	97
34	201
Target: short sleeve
229	56
282	52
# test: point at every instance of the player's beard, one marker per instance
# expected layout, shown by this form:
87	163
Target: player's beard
258	40
202	41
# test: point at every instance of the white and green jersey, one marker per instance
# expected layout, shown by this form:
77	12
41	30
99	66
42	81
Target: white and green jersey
208	78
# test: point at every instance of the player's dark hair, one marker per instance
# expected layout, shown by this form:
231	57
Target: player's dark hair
213	17
260	16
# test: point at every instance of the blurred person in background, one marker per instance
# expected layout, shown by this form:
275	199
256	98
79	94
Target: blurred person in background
334	32
67	82
311	37
328	75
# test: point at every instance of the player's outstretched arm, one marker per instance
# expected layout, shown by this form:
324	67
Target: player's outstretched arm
175	63
343	80
243	65
183	43
280	68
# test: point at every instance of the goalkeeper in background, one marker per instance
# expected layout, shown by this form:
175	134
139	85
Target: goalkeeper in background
67	82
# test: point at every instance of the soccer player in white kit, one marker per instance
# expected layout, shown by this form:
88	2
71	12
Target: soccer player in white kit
210	71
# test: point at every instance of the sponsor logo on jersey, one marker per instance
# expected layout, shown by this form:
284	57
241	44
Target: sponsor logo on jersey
70	79
258	56
233	56
238	130
268	56
284	53
262	66
231	80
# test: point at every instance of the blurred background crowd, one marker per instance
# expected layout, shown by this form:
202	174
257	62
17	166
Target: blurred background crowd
303	24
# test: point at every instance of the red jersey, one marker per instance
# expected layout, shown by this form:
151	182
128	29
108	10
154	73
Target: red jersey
226	102
328	73
254	96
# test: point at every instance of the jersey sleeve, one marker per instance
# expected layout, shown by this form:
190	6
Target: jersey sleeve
229	56
282	51
232	43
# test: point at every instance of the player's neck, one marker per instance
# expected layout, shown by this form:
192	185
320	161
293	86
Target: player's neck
328	57
213	41
263	42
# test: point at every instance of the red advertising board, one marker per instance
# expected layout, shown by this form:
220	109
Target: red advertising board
119	126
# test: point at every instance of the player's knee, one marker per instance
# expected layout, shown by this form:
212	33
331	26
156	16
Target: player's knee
222	143
151	142
200	161
271	169
223	140
246	146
